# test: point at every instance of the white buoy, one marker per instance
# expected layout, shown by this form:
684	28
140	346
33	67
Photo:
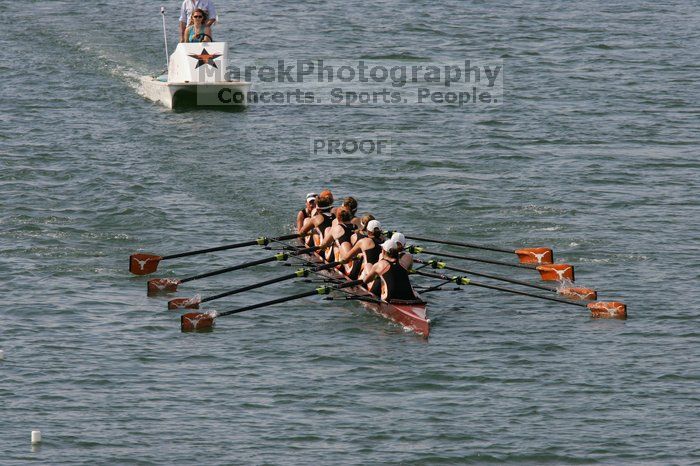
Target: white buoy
36	436
2	355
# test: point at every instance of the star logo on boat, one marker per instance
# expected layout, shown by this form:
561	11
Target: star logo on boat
205	58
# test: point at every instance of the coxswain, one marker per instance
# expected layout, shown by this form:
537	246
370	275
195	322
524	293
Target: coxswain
405	258
388	279
338	236
307	211
368	248
321	219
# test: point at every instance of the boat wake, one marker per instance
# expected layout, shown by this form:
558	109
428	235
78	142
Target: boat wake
88	52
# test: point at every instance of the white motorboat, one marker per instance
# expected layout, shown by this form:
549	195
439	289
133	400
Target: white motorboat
196	76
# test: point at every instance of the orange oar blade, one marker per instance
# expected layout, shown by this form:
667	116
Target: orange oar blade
143	264
162	285
535	255
185	303
578	293
556	272
194	321
608	310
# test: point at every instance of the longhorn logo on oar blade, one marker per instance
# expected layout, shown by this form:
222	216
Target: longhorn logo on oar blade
143	264
195	321
608	310
161	285
580	294
535	255
185	303
556	272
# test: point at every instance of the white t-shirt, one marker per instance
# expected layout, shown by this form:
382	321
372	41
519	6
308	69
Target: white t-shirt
188	6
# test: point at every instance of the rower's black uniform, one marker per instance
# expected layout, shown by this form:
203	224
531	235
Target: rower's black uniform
320	230
398	285
348	230
304	213
328	218
372	256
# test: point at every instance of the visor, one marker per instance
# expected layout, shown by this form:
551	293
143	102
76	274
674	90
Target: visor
389	244
374	225
399	238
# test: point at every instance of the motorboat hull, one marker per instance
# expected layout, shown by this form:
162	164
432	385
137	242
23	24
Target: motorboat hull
177	95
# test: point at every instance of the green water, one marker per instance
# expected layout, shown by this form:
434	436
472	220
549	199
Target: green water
593	152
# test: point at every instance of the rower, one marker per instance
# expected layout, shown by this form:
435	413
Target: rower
369	248
361	231
339	234
351	203
405	258
388	279
320	220
307	210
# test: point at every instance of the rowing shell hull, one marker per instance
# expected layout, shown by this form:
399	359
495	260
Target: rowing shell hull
410	316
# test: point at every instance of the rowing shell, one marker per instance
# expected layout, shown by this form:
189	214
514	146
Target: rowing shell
410	315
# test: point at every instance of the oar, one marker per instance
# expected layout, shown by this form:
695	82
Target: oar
578	293
601	309
158	285
525	255
198	321
548	272
143	264
194	302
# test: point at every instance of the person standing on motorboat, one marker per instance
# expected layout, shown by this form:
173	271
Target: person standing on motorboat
198	31
188	8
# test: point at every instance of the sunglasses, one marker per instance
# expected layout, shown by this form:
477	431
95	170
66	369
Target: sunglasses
199	16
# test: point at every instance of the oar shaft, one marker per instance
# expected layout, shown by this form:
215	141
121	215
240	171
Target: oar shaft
306	294
524	293
260	241
500	288
487	275
230	269
276	257
251	287
476	259
458	243
298	274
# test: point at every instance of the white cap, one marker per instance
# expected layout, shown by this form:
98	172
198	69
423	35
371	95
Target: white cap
399	238
389	244
311	196
374	225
